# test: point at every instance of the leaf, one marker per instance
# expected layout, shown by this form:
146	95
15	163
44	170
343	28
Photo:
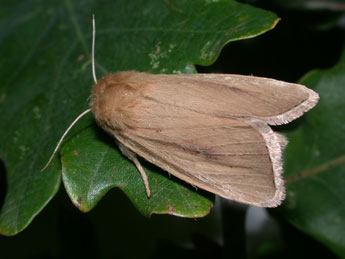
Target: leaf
46	80
168	196
91	167
315	163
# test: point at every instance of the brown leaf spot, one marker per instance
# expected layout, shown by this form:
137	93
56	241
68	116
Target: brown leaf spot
80	58
75	152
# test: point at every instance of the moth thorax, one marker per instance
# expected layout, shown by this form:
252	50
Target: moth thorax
114	99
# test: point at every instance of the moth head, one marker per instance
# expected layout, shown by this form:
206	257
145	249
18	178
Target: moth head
114	99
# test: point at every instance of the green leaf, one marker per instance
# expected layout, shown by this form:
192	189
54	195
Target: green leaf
167	195
46	81
315	162
92	165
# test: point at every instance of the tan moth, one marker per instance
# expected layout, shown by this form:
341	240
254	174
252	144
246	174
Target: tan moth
210	130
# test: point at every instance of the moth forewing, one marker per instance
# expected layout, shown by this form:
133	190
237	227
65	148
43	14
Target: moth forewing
275	144
208	130
273	101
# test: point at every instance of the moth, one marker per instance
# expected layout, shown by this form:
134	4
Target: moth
210	130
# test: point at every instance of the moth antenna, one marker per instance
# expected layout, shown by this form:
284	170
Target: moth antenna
93	49
63	136
88	110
